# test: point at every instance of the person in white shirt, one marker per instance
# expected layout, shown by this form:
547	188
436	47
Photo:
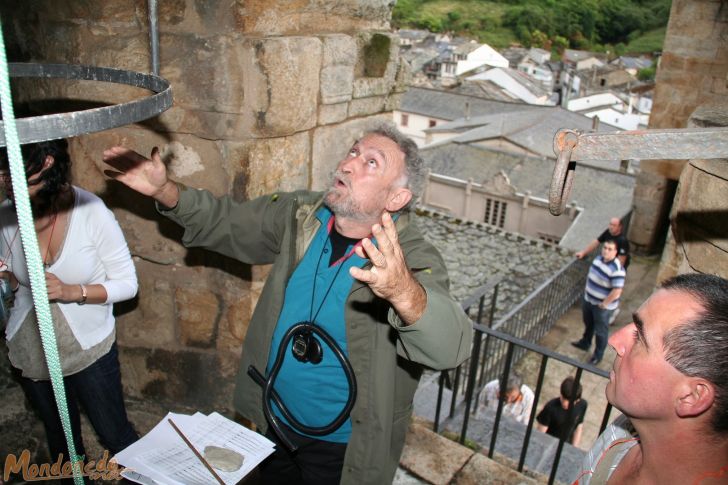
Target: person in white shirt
518	399
88	268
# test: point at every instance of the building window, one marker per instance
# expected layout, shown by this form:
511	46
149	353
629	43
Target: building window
432	123
495	212
405	119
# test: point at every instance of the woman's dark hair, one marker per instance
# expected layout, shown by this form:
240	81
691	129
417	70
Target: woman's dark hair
55	178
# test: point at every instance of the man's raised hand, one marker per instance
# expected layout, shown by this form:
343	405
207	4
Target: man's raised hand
389	277
146	176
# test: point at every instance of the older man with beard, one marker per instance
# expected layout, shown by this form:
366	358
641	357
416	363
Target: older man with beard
352	272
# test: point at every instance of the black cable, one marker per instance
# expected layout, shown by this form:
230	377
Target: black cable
269	392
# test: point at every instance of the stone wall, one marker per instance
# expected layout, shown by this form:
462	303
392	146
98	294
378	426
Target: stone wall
268	95
693	71
697	241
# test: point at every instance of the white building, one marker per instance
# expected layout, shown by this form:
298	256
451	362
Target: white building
516	83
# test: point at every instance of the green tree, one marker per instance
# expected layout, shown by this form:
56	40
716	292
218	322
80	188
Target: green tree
646	74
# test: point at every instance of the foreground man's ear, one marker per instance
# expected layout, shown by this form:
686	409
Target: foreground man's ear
696	397
398	198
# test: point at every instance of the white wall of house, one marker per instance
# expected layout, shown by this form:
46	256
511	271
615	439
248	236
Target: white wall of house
594	101
619	119
588	63
484	55
414	125
502	79
539	73
519	213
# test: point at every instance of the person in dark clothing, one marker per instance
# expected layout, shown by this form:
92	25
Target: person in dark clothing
554	417
614	232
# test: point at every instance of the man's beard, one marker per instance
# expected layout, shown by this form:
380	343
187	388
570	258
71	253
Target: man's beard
341	203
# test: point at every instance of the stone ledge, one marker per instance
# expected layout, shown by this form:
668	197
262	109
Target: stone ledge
438	460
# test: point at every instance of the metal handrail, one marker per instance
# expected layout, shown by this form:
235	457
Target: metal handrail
531	319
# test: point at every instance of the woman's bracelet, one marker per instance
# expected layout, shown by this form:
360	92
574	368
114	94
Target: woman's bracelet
83	295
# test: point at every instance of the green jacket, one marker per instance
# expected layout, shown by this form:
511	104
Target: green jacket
386	356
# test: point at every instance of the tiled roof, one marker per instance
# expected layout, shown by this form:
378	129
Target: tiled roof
602	193
449	105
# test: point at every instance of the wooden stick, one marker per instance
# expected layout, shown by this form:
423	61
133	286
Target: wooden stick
194	450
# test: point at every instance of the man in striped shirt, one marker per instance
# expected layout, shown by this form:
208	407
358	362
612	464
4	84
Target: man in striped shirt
601	297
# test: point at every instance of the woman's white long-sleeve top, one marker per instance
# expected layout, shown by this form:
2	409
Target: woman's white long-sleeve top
94	252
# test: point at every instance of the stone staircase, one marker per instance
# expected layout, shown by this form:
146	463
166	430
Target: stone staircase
448	462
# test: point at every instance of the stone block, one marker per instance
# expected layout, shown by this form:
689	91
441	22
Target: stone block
211	125
206	72
393	102
366	106
372	86
282	85
275	18
149	320
178	376
198	311
278	164
431	456
403	77
481	466
332	113
332	142
339	50
135	375
235	322
336	84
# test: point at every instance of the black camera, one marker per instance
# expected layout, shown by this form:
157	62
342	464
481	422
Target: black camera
306	347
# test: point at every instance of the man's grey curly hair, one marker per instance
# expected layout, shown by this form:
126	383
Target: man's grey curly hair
414	165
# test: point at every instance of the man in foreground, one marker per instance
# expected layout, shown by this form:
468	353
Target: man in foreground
350	263
670	378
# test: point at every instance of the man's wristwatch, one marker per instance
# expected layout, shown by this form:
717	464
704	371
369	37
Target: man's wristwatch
83	295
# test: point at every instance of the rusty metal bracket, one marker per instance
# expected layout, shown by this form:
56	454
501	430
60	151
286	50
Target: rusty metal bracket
675	144
563	178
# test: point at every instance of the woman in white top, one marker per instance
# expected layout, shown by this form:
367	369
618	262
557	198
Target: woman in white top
88	268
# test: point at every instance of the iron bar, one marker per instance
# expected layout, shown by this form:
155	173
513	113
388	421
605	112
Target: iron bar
571	146
669	144
501	399
566	432
436	424
532	417
154	36
64	125
471	382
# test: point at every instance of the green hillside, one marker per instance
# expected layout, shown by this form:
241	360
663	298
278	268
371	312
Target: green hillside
619	26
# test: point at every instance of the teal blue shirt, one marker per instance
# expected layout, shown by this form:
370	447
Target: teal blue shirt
316	393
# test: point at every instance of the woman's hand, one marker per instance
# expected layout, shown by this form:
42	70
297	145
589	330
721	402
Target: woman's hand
8	275
59	291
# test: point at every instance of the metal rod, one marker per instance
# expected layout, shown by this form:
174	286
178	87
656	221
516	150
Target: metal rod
440	388
471	382
154	36
501	399
567	430
454	395
670	144
534	408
